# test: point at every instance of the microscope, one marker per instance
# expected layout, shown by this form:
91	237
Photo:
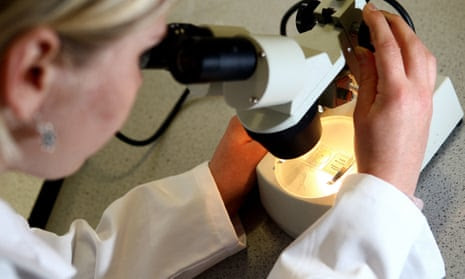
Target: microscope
295	96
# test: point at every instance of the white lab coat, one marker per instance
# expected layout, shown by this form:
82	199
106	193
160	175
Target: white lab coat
178	227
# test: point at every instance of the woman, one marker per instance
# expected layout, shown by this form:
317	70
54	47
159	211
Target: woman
59	81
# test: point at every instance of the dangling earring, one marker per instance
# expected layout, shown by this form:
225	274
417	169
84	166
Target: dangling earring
47	134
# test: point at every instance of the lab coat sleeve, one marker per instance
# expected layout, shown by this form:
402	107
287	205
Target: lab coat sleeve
373	231
174	227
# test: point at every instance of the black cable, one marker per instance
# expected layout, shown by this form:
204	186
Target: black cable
43	206
288	15
402	12
163	127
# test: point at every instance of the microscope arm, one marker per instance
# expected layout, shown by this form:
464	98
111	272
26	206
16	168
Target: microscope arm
273	82
278	103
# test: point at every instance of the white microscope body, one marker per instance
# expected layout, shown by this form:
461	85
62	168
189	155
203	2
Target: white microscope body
290	77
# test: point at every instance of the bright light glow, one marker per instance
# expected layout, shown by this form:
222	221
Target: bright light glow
318	173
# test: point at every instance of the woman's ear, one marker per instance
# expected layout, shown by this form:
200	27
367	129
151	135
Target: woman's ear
27	71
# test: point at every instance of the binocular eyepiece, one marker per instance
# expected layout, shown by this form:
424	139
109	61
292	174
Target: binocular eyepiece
193	55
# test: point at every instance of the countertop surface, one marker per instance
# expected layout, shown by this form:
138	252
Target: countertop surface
193	136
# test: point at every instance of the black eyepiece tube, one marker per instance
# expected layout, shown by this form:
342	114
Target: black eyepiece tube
214	59
164	54
193	55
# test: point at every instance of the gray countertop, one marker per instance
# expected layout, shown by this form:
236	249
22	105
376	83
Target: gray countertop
194	134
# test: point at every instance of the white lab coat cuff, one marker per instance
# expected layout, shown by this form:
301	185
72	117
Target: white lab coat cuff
376	188
174	227
229	233
373	231
231	227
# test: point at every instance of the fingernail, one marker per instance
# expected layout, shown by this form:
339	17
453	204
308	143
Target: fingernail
371	7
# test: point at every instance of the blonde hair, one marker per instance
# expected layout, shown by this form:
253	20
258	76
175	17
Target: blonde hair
83	26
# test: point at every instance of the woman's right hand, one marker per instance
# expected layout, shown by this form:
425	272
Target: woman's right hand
233	165
394	107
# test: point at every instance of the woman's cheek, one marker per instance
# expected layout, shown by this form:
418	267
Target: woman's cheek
119	98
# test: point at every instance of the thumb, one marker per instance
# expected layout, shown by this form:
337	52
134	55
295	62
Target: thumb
367	80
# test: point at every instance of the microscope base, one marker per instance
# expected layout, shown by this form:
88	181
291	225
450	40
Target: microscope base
294	214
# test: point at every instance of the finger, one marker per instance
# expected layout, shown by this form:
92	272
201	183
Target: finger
368	81
353	63
388	56
412	49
